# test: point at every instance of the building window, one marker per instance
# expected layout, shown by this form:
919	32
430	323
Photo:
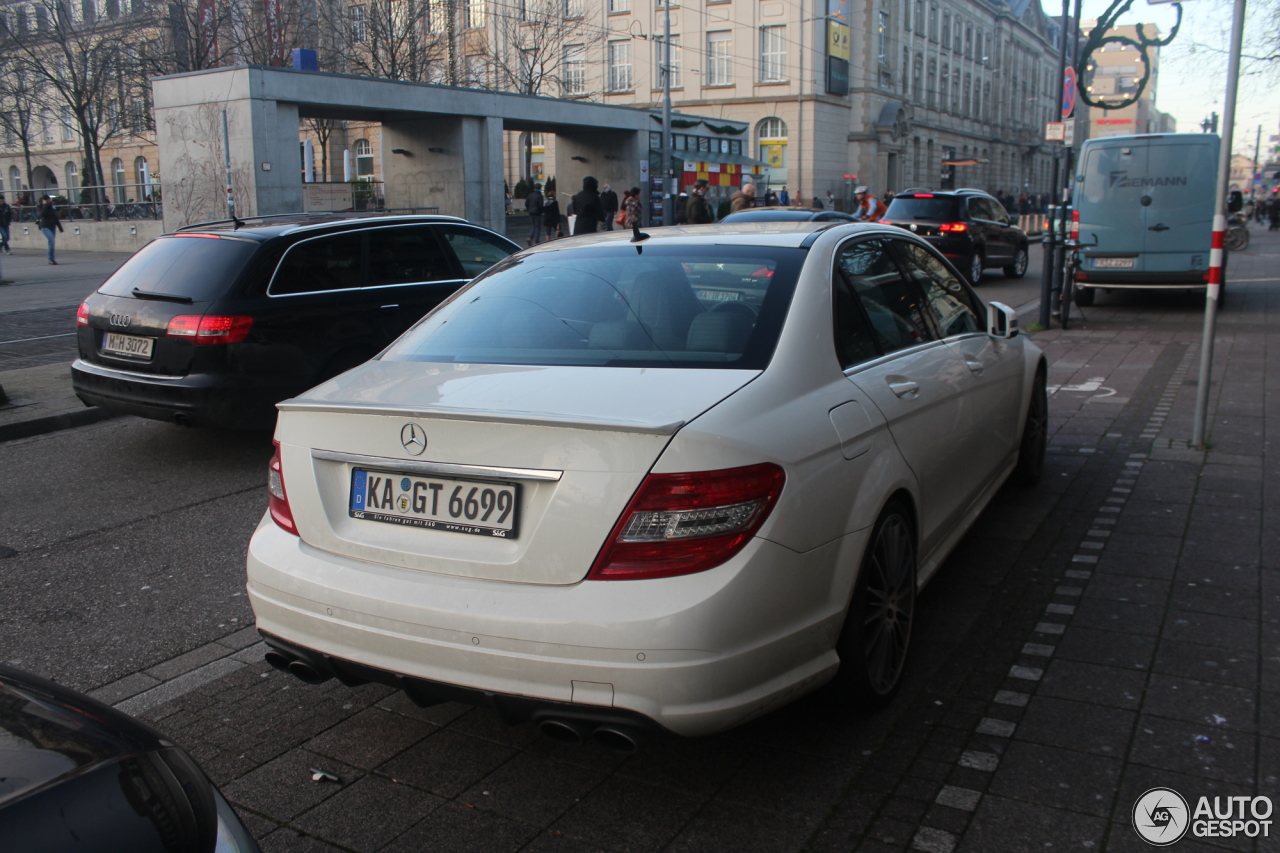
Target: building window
719	63
574	8
70	172
906	70
359	26
932	84
968	86
619	53
773	54
676	80
476	14
882	37
477	70
68	125
933	23
575	69
946	30
917	78
364	159
772	136
968	41
920	22
986	49
619	5
437	16
955	91
986	98
142	175
977	100
906	15
118	179
944	87
15	179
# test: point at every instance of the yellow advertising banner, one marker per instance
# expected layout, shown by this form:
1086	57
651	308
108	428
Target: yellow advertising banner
838	40
773	155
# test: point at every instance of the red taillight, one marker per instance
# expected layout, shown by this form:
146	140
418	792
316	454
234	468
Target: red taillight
678	524
922	195
278	502
210	329
1075	225
82	314
953	227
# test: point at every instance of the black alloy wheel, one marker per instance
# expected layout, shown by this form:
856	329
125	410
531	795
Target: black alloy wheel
876	637
1035	435
1018	268
975	267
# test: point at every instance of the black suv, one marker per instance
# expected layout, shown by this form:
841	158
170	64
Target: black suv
970	227
214	324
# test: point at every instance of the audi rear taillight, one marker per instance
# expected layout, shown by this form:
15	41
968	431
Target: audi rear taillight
82	314
278	502
678	524
210	328
953	227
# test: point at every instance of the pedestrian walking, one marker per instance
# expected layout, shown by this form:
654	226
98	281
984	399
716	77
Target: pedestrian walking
784	198
587	207
698	211
551	216
609	201
631	207
6	219
744	198
47	219
533	203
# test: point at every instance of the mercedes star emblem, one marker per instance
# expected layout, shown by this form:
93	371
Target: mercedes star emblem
414	439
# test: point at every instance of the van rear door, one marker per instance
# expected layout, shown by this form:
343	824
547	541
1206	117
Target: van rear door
1110	205
1178	223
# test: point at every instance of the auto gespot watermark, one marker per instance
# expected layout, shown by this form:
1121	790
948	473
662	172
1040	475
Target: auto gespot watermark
1162	817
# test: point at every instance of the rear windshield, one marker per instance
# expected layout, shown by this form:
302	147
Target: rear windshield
922	208
671	306
769	214
200	268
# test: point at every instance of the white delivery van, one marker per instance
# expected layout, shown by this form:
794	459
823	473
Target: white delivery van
1148	203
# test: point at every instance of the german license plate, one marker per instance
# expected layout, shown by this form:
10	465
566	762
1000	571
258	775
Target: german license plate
129	346
436	503
1113	263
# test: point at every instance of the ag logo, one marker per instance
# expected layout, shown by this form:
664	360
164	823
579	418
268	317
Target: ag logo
1161	817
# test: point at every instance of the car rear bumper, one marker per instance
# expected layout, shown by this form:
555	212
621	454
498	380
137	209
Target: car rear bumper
197	400
1142	279
695	654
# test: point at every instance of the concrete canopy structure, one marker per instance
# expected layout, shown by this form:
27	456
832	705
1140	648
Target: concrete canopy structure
442	145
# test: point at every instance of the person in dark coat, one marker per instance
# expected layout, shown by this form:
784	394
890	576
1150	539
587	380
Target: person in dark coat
698	211
6	219
587	207
551	215
609	201
47	219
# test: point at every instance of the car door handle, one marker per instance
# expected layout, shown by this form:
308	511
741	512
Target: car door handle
975	366
391	306
902	387
1159	226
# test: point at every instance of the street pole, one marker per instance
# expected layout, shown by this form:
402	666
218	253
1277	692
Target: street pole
1216	275
1257	144
226	154
1050	241
668	173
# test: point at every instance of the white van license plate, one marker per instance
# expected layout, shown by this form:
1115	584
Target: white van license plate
1113	263
130	346
436	503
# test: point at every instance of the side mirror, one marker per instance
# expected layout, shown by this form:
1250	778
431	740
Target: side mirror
1002	322
1013	219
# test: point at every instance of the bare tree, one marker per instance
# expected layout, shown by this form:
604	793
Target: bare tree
196	34
391	39
20	104
323	129
199	193
536	48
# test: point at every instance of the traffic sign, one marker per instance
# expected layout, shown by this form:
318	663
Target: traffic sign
1068	92
1055	131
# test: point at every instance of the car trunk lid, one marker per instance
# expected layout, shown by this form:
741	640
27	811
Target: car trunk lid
570	444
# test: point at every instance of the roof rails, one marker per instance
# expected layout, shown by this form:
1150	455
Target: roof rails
972	190
916	190
334	216
237	221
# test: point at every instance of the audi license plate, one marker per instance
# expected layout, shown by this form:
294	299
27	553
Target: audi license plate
437	503
1113	263
129	346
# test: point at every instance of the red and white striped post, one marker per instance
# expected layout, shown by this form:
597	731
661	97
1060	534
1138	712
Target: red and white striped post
1214	289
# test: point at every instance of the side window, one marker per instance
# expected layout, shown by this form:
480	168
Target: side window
955	309
476	250
878	310
998	213
977	210
407	254
322	263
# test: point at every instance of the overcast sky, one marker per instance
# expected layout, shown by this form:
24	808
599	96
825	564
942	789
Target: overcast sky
1192	82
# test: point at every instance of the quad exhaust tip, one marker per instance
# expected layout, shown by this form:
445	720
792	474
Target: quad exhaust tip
576	733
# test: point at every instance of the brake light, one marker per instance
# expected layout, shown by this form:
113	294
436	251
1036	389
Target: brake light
1075	226
278	500
82	314
211	328
953	227
922	195
678	524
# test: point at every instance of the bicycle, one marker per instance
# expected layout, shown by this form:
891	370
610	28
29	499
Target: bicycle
1069	295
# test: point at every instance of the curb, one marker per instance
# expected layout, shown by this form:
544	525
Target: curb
53	423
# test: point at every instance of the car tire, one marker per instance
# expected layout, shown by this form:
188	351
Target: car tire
1084	296
1018	268
1035	436
876	636
976	263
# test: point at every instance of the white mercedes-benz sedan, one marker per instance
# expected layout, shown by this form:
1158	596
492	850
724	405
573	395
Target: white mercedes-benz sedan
669	481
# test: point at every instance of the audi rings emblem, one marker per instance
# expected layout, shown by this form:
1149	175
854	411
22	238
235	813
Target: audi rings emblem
414	439
120	320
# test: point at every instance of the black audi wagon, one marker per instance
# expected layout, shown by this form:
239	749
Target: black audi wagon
214	324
